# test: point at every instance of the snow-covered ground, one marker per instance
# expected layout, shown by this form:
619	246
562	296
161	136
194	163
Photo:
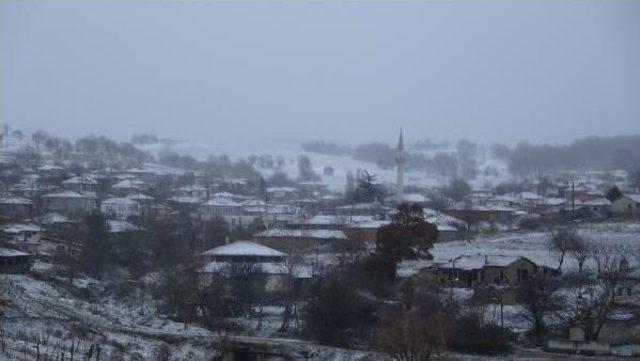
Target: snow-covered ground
341	164
45	315
532	245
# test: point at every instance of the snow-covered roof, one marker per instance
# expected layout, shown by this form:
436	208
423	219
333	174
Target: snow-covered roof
224	195
128	183
282	189
372	205
414	198
325	220
633	197
118	226
475	262
120	200
8	252
67	194
601	201
222	201
80	180
443	227
185	199
303	233
52	218
275	268
243	248
530	196
439	218
373	223
21	227
16	200
554	201
139	197
49	167
461	206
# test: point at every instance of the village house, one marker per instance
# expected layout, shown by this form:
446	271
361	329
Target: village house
226	208
30	187
81	184
16	208
120	208
142	199
128	186
628	204
270	214
13	261
362	209
299	239
366	232
70	203
22	232
57	225
472	214
484	270
118	227
282	193
51	172
597	207
267	267
194	191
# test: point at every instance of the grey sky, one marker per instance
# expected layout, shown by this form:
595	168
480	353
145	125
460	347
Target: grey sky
353	72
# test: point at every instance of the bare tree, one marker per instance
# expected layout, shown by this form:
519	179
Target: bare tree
593	299
539	299
580	251
563	241
293	266
412	336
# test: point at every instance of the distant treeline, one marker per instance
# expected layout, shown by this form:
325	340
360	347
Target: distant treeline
220	165
591	153
462	161
322	147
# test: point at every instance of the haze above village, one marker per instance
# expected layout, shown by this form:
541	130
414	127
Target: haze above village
388	181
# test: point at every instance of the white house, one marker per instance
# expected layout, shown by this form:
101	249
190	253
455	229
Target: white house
70	203
22	232
267	266
81	184
628	204
223	207
120	208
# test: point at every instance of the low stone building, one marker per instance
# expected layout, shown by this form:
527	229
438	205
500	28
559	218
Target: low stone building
628	204
16	208
70	203
13	261
266	267
120	208
22	233
81	184
299	239
485	270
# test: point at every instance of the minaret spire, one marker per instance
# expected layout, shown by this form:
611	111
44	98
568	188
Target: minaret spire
401	160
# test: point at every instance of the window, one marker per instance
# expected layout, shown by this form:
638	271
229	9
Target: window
523	274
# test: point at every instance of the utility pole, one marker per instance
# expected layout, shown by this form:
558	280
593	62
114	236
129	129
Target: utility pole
573	199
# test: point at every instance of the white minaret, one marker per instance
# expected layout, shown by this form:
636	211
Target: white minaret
401	161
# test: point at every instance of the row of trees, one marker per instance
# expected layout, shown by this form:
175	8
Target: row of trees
591	153
462	162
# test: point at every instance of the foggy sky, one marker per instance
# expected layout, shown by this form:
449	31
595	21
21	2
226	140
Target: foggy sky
353	72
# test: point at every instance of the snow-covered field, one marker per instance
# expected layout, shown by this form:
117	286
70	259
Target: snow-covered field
44	315
341	164
532	245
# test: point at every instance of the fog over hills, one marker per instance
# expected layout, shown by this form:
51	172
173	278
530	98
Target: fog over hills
258	75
